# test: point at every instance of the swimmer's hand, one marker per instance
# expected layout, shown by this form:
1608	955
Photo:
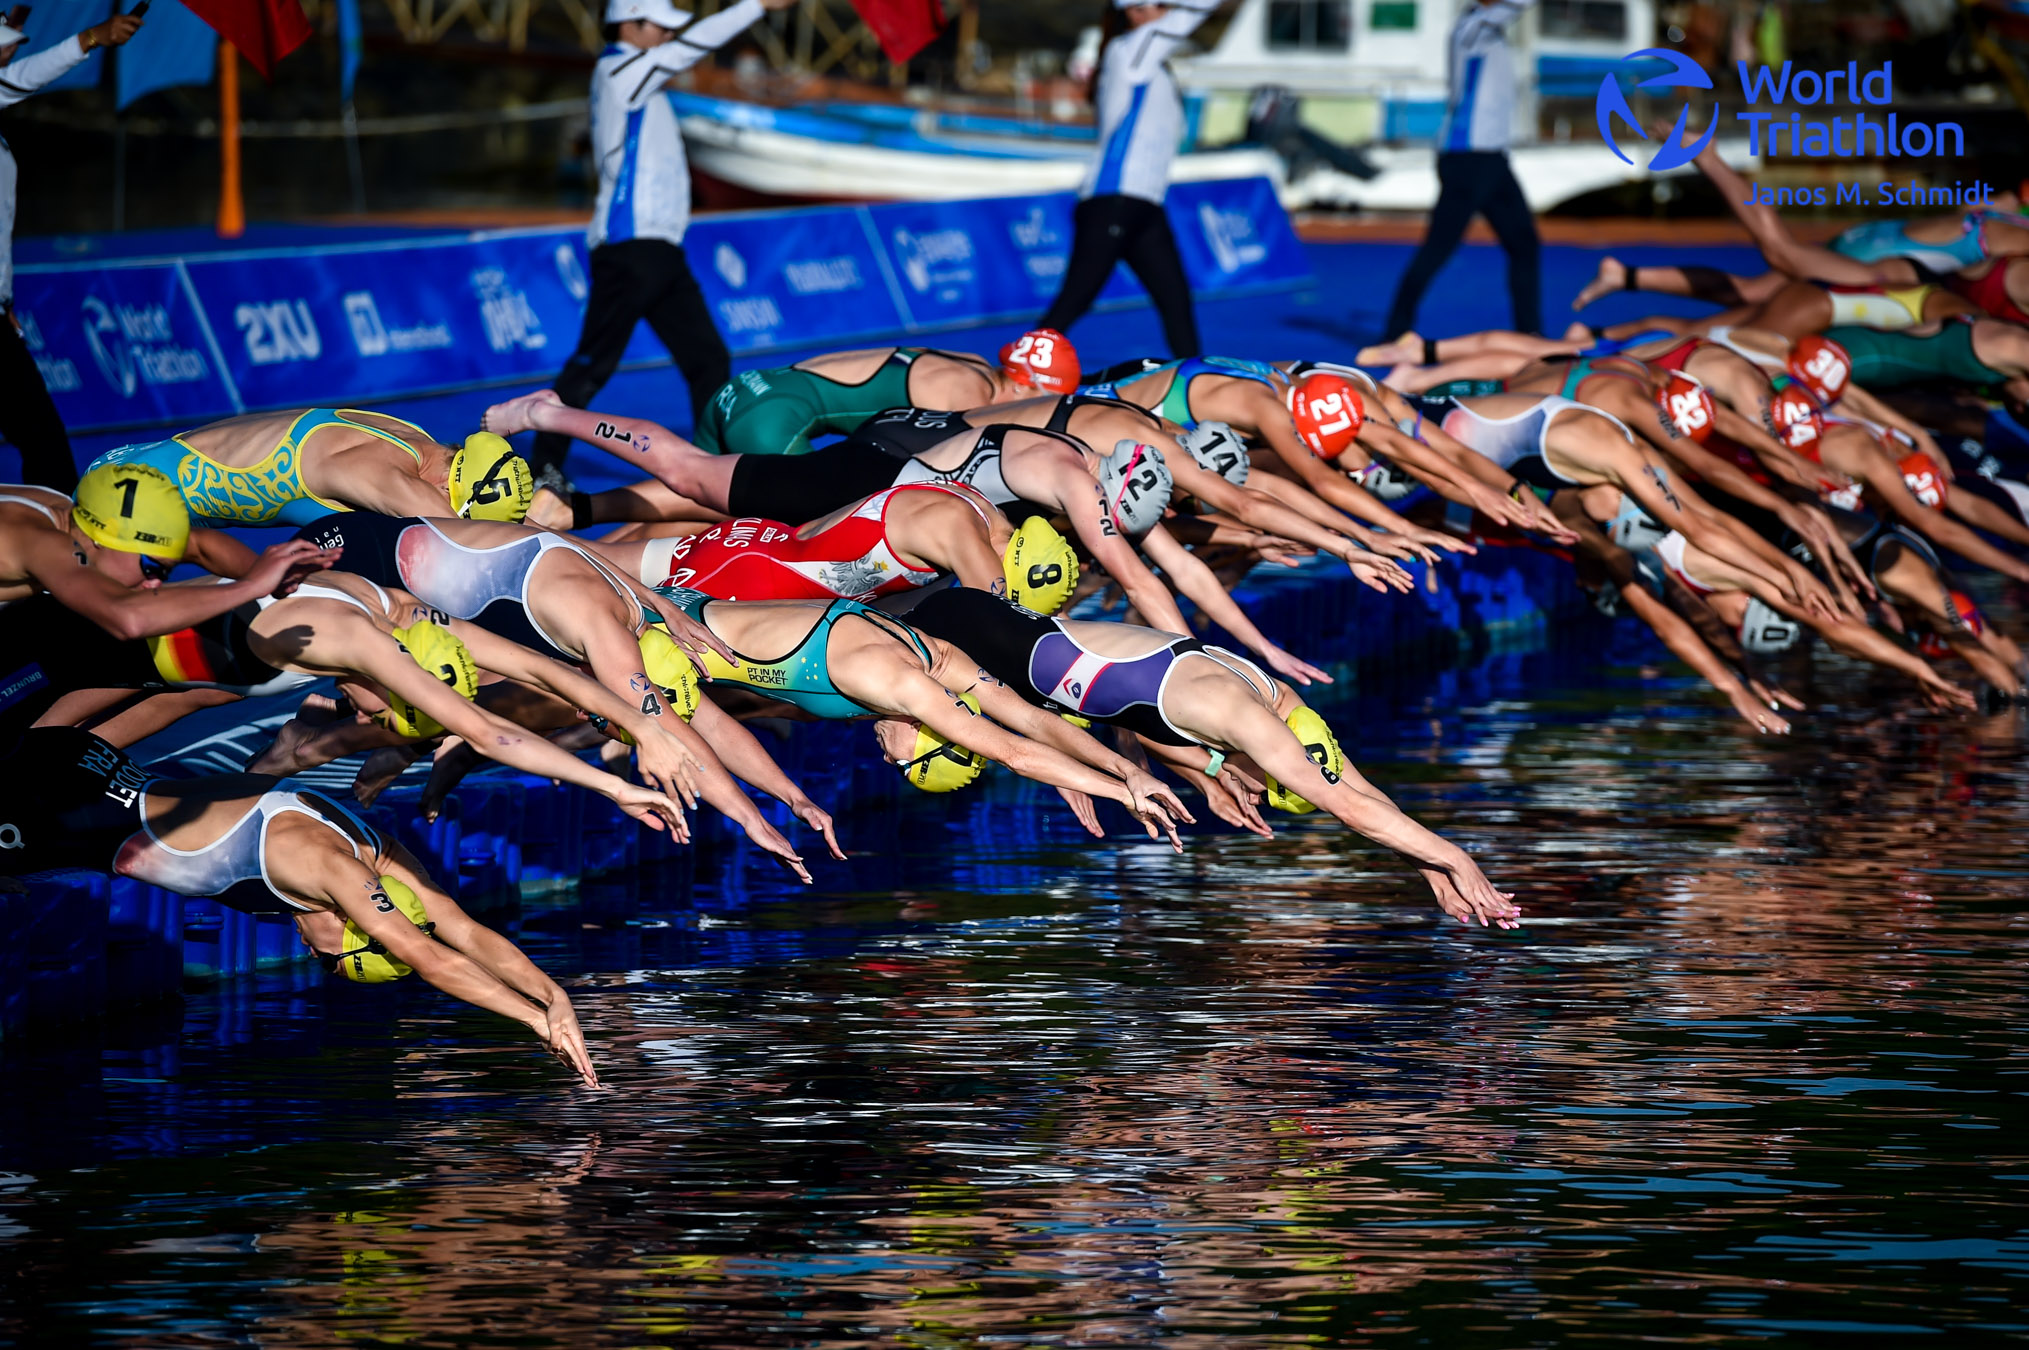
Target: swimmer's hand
1376	572
1430	539
1754	707
283	567
1774	695
650	807
1081	807
1152	794
1398	546
692	636
566	1040
668	764
1944	696
1292	669
787	858
819	819
1231	800
1155	820
1464	892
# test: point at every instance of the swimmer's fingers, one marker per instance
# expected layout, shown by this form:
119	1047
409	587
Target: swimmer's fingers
1081	807
793	864
1169	802
817	818
566	1040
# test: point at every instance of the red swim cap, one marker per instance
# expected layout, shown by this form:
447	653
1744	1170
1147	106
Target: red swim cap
1821	366
1797	421
1327	412
1926	484
1044	358
1687	407
1968	617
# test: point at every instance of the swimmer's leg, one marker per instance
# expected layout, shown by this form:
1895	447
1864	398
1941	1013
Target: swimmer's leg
124	716
1412	379
1784	251
648	501
688	471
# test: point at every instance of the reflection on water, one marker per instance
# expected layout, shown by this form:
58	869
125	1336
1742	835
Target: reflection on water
1754	1070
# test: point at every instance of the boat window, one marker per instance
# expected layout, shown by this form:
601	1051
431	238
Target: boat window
1310	25
1392	16
1585	19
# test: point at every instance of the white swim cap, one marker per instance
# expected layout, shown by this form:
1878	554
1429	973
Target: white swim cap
1136	483
1218	448
1765	632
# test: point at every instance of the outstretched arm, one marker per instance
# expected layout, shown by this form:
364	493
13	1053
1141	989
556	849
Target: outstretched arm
58	564
1211	597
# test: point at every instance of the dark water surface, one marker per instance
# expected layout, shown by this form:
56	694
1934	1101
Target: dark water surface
1753	1071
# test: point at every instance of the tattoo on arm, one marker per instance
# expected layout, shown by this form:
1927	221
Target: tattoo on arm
1663	486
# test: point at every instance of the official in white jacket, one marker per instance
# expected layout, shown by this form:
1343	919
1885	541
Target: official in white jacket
638	268
28	416
1119	215
1473	174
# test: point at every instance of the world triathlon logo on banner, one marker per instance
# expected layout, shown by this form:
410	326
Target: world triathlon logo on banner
1785	116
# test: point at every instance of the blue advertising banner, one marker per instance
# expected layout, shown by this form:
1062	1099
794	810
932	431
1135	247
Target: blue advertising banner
792	278
181	342
122	346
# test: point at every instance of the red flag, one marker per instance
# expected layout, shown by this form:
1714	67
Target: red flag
265	31
904	27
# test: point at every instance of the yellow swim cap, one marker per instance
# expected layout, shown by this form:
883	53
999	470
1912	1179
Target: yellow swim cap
134	508
439	651
939	765
1323	749
1041	567
364	960
489	481
672	670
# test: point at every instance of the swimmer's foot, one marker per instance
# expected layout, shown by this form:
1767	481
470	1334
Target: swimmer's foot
1581	334
381	769
549	510
1611	277
518	414
1406	348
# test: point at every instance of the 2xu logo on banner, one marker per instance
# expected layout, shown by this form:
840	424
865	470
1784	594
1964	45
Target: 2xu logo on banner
278	330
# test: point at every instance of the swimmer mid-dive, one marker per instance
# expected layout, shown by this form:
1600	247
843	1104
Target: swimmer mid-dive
358	898
107	553
847	661
289	468
1199	707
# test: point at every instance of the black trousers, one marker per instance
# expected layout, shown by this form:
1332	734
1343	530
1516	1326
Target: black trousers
634	280
1476	183
1109	230
29	419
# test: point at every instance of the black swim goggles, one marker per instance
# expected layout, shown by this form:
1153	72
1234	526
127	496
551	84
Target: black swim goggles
153	568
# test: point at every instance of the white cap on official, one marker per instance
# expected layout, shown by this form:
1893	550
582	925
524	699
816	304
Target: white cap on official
10	35
655	11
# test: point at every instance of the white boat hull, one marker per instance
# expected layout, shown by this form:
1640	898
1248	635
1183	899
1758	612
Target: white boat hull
802	168
1550	175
